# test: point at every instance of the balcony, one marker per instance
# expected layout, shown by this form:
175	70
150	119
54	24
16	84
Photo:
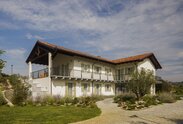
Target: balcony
40	73
78	74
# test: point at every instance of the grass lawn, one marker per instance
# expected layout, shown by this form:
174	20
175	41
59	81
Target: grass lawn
45	114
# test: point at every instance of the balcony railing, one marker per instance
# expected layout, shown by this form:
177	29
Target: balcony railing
40	73
73	73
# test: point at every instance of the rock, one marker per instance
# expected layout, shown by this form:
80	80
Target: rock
10	104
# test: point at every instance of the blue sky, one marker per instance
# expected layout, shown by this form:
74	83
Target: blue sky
109	28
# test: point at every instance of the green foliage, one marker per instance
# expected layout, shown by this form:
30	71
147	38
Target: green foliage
130	106
14	80
48	100
141	82
3	80
150	100
2	100
2	62
178	88
166	97
126	97
88	101
20	94
166	86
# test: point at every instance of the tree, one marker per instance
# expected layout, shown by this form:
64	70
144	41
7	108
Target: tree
140	82
2	62
21	93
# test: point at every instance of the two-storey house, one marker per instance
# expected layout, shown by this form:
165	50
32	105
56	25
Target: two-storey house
72	73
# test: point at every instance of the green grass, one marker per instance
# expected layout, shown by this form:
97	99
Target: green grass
45	114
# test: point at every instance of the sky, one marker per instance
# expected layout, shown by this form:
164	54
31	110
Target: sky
108	28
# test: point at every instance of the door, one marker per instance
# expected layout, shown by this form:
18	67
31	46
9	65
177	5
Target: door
70	89
98	89
85	89
64	70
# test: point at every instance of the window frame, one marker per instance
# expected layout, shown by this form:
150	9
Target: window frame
85	67
108	89
97	71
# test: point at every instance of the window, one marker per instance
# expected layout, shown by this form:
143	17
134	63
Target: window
129	70
85	67
85	87
97	69
107	87
108	71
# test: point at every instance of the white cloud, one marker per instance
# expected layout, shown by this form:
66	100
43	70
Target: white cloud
180	54
15	53
7	25
30	36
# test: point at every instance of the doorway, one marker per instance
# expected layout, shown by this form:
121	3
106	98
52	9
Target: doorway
98	89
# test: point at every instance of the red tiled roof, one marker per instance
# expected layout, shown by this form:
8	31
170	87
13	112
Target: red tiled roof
61	48
133	58
86	55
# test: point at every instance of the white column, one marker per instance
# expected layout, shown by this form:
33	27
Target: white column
49	64
30	70
153	90
49	71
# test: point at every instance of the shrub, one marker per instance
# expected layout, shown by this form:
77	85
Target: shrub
47	100
2	100
57	99
130	106
20	94
166	98
30	101
37	100
75	101
150	100
67	100
125	97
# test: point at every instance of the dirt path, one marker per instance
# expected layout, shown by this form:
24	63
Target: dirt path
161	114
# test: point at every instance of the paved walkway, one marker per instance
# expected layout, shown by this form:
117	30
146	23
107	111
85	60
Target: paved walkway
161	114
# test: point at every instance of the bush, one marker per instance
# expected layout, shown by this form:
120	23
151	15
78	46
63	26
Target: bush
150	100
125	97
57	100
20	94
47	100
68	100
166	98
2	100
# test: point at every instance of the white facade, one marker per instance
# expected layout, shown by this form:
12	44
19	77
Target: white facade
77	76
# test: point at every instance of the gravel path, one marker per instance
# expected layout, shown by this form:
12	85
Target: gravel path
160	114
